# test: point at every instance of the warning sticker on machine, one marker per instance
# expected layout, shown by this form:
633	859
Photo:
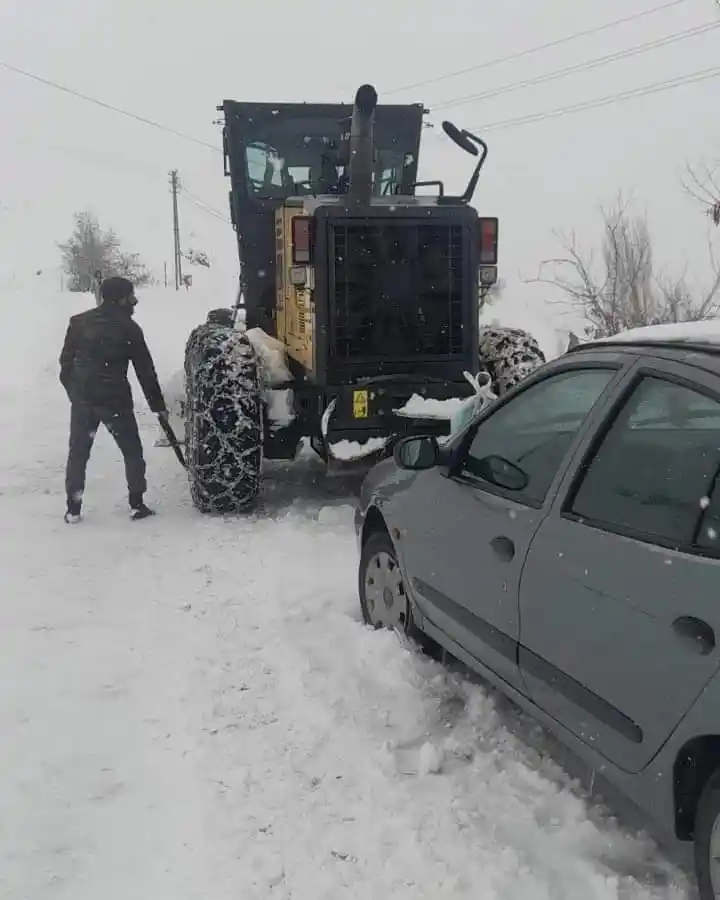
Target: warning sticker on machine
360	404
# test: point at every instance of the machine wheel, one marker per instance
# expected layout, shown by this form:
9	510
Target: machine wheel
223	419
510	355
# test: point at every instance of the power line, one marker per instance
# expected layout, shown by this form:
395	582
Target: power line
108	106
196	199
655	88
205	207
579	67
540	47
117	164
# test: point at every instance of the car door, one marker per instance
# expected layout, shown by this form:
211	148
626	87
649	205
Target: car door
620	594
465	534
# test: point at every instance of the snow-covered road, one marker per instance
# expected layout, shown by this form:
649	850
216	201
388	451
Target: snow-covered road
190	707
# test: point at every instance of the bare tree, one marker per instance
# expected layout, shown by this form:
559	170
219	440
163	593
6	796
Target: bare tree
623	292
702	182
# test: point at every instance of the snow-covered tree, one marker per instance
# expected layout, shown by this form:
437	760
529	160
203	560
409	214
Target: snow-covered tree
130	266
197	258
91	249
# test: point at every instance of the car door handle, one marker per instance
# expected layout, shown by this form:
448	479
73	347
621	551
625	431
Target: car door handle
698	635
503	547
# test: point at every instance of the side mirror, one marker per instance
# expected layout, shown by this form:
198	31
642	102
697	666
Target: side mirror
460	138
501	472
473	145
417	453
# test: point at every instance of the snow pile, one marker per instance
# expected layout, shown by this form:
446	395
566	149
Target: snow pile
273	362
704	332
349	450
459	411
344	450
419	407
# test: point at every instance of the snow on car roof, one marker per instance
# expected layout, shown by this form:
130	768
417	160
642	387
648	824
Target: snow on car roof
705	332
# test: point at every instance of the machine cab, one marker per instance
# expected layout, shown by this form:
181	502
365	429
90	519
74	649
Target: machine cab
279	150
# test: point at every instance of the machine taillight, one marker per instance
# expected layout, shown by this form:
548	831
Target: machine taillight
301	240
488	242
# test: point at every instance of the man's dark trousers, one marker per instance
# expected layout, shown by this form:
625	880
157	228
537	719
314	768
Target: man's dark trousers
122	425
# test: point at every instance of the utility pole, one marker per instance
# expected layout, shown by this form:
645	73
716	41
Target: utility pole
175	185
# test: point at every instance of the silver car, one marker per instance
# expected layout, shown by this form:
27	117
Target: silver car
565	545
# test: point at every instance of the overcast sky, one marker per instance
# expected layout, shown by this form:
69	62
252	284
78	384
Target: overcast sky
174	62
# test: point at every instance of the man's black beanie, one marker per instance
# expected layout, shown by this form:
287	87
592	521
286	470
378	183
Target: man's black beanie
115	289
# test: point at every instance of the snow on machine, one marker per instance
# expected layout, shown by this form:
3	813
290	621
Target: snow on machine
357	314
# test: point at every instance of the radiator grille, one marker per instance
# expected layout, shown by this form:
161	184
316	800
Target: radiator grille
396	290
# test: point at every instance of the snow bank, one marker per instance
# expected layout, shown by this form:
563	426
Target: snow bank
349	450
705	332
419	407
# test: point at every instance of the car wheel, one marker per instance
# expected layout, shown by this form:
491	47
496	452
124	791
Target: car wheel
383	598
707	840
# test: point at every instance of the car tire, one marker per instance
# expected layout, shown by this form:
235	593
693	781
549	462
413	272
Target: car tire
707	840
384	600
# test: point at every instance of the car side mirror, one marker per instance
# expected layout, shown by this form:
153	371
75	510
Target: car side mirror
501	472
417	453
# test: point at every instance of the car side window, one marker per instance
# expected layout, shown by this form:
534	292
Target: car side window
533	433
656	468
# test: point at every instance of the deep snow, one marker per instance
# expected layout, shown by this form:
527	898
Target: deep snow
191	708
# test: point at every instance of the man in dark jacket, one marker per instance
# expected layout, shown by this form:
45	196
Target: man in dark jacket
99	344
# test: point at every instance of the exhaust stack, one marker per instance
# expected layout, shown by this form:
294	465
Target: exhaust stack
361	146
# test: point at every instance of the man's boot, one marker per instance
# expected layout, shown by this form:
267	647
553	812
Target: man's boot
73	513
138	509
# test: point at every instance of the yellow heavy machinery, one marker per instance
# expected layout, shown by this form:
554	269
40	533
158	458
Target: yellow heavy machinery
364	280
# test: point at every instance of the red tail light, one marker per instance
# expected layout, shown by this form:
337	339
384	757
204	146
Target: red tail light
301	240
488	242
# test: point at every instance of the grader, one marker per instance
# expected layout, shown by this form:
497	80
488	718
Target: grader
360	287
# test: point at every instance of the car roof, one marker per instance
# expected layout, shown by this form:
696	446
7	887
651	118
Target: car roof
693	343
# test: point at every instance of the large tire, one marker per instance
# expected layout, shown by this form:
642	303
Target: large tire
510	355
223	419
